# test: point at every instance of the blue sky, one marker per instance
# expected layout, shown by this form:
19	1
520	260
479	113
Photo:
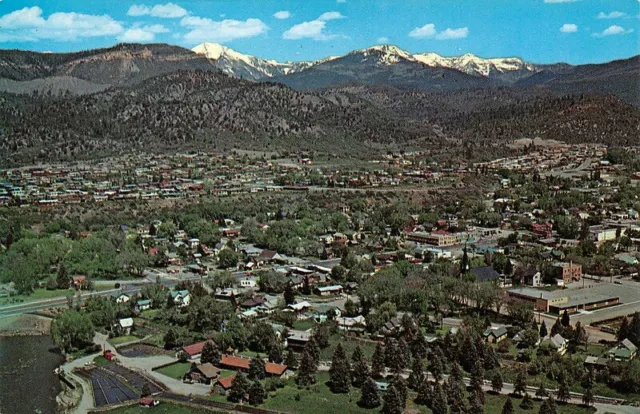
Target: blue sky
543	31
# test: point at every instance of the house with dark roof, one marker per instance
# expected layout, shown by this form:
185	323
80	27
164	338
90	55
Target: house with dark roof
495	334
203	373
485	274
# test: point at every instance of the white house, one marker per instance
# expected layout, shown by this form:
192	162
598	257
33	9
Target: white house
125	325
181	298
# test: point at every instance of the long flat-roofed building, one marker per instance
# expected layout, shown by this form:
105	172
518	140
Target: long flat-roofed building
571	300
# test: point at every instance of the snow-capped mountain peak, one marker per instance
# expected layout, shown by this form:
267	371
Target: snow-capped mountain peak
387	54
251	67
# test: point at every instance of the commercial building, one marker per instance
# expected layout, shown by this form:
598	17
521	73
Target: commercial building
571	300
440	239
568	272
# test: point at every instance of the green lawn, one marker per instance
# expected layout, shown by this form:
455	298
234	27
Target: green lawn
163	408
303	325
349	344
122	339
176	370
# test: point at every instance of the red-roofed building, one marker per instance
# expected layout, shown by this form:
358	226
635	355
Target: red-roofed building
234	362
194	350
275	370
223	385
242	364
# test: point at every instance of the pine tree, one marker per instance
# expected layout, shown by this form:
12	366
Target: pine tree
339	373
526	403
257	393
425	393
239	388
588	397
507	408
548	407
496	382
566	320
62	277
257	369
404	355
275	352
543	330
477	381
623	331
439	402
419	347
475	405
520	384
377	361
170	339
292	360
557	328
436	368
417	374
541	392
210	353
314	350
634	329
370	397
289	294
360	367
400	386
390	353
306	372
563	394
392	404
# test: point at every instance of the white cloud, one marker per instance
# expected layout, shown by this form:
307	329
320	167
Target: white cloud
611	15
569	28
28	24
165	11
561	1
382	40
612	31
449	33
428	30
325	17
314	29
142	34
284	14
202	29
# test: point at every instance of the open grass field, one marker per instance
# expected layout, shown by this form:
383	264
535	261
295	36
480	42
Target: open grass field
176	370
349	344
318	399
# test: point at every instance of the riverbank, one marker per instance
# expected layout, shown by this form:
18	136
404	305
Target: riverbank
25	325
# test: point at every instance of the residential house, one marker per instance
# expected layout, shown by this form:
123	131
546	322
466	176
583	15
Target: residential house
125	325
495	334
181	298
203	373
556	342
329	290
142	305
79	282
121	297
485	274
624	351
223	385
324	313
194	350
297	340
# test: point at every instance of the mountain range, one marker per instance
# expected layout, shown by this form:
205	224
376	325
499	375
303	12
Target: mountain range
157	97
240	65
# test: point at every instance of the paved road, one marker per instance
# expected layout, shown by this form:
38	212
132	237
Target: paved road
51	303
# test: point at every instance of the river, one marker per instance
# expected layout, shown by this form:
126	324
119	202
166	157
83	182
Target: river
27	381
